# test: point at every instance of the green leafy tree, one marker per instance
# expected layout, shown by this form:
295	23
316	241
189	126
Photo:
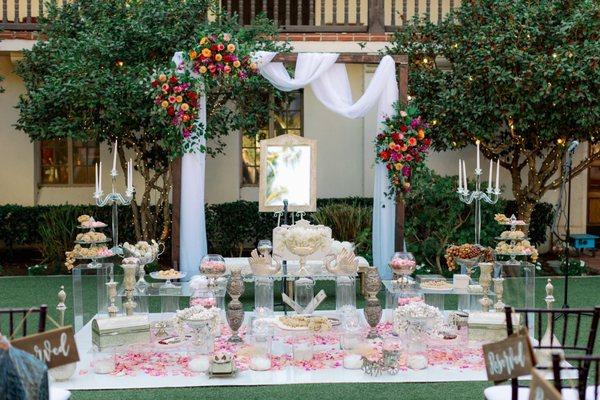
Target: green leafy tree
523	78
427	204
89	80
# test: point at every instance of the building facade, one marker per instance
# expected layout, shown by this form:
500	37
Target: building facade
61	172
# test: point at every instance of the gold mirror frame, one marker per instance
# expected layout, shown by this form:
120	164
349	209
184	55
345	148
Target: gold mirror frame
287	140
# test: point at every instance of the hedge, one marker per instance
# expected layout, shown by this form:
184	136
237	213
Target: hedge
231	227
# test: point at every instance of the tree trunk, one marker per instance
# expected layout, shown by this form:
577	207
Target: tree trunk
525	209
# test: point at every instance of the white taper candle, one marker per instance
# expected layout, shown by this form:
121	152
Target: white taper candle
459	174
130	173
464	175
490	175
478	164
96	178
100	177
498	175
114	167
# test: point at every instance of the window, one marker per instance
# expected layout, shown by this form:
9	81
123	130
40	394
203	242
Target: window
287	118
67	162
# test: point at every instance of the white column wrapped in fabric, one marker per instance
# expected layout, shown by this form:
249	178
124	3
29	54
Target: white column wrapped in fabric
192	224
331	86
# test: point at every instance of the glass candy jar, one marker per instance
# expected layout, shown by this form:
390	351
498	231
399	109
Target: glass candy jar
345	293
263	295
104	359
303	347
304	291
260	359
416	337
212	265
403	264
264	247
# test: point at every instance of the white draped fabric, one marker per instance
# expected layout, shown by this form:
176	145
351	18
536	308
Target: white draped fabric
329	81
192	225
330	84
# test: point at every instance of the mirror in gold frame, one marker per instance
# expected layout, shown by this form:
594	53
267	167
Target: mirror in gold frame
288	165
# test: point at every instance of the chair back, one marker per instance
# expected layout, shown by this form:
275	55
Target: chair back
583	365
17	318
574	328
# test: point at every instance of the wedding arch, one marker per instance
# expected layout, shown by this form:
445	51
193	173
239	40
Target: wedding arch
326	74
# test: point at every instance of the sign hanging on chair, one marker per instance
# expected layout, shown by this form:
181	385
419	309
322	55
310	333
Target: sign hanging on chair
55	347
541	389
509	358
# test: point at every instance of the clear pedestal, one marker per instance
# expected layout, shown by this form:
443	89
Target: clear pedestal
519	284
85	312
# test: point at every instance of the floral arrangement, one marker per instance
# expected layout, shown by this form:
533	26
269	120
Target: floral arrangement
176	100
402	146
218	56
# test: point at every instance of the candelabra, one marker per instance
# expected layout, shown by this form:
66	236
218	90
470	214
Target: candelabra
490	196
114	199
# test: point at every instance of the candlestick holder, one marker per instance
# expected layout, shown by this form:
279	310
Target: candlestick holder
490	196
114	199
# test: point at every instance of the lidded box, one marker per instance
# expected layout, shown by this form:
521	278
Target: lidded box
122	330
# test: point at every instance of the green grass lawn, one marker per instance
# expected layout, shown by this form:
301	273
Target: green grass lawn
29	291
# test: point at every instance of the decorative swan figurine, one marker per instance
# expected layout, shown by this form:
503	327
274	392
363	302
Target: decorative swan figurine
346	263
262	265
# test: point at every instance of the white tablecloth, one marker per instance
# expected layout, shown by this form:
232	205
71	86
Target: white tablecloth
85	379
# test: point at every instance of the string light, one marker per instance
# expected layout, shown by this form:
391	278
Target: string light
120	63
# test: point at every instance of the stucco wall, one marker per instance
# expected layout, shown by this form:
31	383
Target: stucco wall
16	151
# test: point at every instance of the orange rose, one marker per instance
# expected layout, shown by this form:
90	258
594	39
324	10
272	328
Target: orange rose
218	57
185	106
421	134
398	166
231	47
185	118
162	78
164	104
203	41
236	64
179	99
253	66
206	52
193	54
391	145
202	69
412	141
